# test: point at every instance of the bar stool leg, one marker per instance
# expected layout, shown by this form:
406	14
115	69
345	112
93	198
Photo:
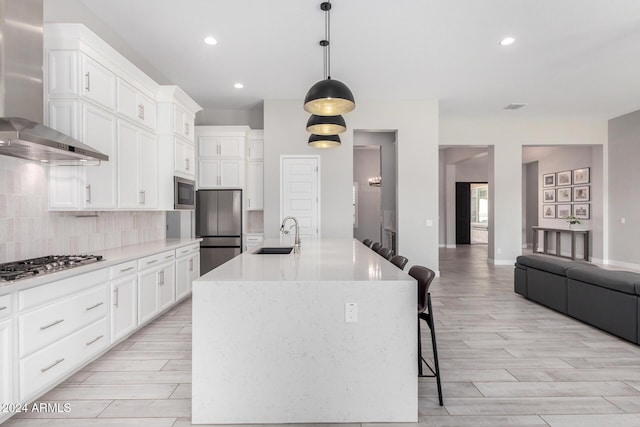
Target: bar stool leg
432	326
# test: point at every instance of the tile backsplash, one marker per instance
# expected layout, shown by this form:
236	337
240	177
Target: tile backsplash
28	229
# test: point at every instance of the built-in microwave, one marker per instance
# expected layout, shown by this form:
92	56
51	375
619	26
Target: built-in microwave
184	193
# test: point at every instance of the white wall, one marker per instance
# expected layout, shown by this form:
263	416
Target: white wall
252	117
506	137
416	123
623	190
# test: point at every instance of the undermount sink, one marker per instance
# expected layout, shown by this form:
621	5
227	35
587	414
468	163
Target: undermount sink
277	250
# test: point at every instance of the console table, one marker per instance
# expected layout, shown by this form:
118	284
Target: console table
558	233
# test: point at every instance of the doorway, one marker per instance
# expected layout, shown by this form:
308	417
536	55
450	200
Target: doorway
374	187
472	213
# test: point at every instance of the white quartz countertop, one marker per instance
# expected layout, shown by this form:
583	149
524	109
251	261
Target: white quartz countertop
109	257
318	260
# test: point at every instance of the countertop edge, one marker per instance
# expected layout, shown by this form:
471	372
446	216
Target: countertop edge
112	256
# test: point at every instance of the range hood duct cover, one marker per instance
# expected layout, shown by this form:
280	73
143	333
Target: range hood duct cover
21	91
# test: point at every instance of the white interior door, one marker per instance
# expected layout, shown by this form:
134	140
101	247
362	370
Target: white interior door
299	195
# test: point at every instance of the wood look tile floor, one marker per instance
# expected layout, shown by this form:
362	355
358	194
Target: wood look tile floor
505	362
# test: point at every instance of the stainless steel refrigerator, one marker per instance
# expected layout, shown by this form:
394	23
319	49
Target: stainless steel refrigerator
219	224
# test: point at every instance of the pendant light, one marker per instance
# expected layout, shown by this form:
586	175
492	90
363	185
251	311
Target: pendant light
324	141
326	125
328	97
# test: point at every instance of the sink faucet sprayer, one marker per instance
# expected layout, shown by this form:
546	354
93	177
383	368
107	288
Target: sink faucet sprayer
295	221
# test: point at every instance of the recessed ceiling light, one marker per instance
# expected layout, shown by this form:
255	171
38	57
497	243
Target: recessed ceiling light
210	40
507	41
238	85
44	161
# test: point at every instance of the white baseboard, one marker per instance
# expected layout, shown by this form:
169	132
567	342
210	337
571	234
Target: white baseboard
623	264
527	246
450	246
442	245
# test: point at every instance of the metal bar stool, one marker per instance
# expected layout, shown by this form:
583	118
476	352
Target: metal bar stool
376	246
399	261
425	276
367	242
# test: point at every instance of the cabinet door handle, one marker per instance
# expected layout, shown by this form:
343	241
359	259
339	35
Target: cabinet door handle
186	128
151	262
126	269
142	107
94	306
168	257
140	111
161	278
88	78
57	362
249	200
186	164
88	193
117	299
3	308
143	197
42	328
94	340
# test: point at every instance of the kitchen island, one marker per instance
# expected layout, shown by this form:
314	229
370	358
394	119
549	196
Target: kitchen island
277	338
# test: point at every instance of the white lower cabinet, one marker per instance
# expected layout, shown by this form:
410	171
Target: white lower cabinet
156	284
187	269
6	363
53	362
49	331
124	307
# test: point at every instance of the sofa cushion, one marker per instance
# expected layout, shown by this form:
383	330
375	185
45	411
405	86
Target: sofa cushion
621	281
550	263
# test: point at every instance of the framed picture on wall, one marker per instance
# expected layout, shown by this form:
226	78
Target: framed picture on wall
581	194
563	195
582	210
549	196
564	178
549	211
581	176
563	211
549	180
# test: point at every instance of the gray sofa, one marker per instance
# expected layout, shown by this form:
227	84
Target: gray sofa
606	299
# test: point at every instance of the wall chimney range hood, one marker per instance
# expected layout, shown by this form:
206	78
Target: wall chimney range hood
21	94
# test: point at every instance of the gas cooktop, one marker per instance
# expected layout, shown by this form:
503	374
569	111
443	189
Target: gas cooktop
47	264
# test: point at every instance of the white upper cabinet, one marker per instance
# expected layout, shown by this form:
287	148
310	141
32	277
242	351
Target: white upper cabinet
135	105
183	123
99	132
255	145
221	156
98	83
138	168
255	186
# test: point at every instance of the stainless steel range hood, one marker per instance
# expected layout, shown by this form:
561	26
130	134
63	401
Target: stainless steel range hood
21	92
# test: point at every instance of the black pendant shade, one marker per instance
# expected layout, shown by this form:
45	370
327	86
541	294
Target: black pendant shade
326	125
324	141
329	98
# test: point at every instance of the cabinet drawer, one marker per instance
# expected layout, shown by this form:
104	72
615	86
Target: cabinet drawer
48	324
187	250
53	362
6	306
124	269
153	260
52	291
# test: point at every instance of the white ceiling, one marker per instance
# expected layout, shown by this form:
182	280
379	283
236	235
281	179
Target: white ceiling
571	58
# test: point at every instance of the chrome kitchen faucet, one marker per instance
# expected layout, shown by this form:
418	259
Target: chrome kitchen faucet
282	229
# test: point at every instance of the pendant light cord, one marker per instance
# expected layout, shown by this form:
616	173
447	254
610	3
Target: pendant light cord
326	7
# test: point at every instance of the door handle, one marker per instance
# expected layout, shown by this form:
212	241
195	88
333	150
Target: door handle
88	80
88	187
117	299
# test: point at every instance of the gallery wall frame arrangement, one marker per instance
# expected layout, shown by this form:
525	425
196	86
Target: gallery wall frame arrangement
567	193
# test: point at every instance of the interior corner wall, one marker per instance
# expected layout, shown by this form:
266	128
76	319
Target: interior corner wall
623	190
416	123
442	199
507	136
